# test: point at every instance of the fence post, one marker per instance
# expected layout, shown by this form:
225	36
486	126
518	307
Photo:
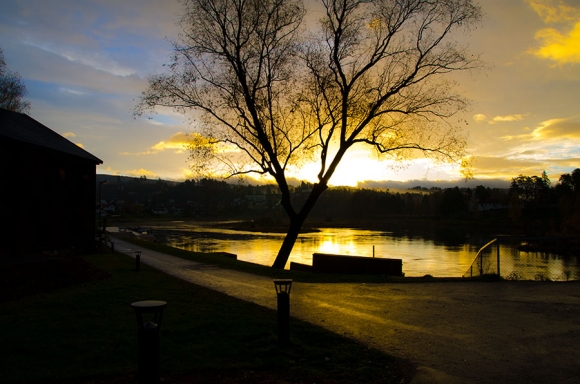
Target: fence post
498	258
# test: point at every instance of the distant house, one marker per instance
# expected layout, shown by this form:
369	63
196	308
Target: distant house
47	189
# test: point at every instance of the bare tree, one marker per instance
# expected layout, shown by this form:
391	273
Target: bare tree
275	96
12	89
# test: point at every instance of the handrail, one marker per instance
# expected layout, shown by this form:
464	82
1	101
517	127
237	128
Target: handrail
470	270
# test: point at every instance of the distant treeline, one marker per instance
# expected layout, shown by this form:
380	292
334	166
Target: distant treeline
531	205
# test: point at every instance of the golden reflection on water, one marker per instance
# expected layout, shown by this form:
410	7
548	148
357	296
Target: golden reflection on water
420	256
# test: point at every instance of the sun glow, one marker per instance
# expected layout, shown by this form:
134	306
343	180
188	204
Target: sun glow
360	166
333	245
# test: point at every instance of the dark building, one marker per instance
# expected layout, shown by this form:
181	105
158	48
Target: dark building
47	189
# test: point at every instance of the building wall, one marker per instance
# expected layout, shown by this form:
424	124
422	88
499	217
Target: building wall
49	199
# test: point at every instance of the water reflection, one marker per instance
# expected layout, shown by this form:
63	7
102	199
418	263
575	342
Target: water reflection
420	256
445	254
521	265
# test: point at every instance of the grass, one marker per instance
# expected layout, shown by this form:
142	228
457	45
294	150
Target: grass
69	329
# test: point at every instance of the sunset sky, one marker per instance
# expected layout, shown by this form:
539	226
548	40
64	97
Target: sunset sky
85	63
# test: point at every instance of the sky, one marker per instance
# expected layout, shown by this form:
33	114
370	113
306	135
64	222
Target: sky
85	64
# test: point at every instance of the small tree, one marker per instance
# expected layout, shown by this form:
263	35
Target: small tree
12	89
274	97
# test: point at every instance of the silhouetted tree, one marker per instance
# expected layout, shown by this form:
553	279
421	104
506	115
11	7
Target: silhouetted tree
570	182
12	89
452	203
530	189
568	193
274	98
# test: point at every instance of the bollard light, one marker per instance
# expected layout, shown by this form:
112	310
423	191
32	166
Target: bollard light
137	260
148	339
283	288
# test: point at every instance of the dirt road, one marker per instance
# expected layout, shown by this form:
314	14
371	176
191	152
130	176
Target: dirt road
495	332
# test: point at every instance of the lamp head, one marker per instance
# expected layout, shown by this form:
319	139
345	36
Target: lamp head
283	285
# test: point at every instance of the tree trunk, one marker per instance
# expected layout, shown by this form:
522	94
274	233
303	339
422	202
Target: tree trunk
289	241
296	222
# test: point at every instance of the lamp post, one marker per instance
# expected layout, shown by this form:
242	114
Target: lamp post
101	207
148	340
283	288
137	260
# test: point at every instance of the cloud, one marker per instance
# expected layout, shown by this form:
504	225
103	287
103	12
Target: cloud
561	46
404	186
80	145
71	91
507	167
89	47
508	118
557	129
558	47
554	11
101	61
534	152
552	145
178	141
552	129
117	37
48	72
68	134
480	118
141	172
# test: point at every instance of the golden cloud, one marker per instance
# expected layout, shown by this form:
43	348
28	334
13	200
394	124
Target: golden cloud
560	47
557	129
555	11
138	153
506	167
553	129
142	172
534	152
187	174
495	162
80	145
178	141
480	118
69	134
508	118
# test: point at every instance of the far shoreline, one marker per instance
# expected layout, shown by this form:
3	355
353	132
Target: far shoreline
423	226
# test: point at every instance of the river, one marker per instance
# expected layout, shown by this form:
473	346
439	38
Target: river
439	256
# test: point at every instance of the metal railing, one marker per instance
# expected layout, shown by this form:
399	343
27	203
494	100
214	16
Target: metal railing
482	262
515	264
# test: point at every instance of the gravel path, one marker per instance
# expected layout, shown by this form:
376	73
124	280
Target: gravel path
495	332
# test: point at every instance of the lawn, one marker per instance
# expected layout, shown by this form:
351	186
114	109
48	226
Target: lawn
69	320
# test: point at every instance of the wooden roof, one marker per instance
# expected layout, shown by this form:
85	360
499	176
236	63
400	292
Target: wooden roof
21	127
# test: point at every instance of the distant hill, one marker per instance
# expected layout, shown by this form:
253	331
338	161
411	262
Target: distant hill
129	179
